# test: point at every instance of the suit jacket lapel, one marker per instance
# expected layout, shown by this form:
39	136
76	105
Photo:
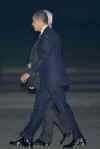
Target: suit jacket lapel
45	31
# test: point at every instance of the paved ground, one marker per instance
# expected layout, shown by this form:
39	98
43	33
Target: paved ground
79	81
15	109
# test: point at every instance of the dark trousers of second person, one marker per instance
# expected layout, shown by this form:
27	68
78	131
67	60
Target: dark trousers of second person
44	97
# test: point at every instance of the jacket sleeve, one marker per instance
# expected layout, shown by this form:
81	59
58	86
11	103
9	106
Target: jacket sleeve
31	54
33	57
46	48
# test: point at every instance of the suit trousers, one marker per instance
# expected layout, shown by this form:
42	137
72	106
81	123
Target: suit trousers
44	97
53	118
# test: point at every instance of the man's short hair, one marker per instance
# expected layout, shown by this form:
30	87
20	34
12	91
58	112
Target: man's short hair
41	15
50	15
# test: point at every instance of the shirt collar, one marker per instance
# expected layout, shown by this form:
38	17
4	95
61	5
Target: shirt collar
44	27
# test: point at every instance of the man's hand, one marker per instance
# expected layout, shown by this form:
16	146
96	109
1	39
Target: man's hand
24	77
29	65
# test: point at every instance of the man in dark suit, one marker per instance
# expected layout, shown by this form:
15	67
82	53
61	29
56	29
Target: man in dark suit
52	117
52	82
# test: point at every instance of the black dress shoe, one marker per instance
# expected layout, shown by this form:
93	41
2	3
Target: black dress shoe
76	143
64	137
22	142
40	142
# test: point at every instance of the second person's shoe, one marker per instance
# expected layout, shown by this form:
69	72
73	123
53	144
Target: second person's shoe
76	143
40	142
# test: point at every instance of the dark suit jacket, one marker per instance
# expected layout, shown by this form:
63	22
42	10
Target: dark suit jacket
33	55
34	80
50	63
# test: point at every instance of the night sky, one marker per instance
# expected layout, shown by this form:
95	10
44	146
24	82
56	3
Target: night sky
17	14
77	21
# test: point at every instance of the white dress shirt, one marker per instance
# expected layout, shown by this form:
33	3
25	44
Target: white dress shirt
45	26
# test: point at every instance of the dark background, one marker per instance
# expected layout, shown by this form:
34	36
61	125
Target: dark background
77	22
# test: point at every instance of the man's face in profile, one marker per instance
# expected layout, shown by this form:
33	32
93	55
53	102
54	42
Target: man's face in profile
36	23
